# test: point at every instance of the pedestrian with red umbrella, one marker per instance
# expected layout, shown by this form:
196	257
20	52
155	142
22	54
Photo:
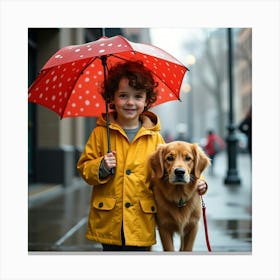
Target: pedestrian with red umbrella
123	208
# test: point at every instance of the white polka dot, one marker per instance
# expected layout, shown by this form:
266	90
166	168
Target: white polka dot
77	50
87	79
101	51
47	81
54	78
87	102
53	98
73	105
97	105
82	109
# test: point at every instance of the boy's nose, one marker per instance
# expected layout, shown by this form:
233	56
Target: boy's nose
130	100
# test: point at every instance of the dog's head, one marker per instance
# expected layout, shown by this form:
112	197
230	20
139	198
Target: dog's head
181	161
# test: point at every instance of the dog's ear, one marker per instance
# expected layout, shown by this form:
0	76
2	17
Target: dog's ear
201	161
156	161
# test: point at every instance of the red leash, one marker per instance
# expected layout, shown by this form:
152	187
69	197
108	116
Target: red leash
205	224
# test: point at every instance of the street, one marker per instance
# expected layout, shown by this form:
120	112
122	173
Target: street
57	217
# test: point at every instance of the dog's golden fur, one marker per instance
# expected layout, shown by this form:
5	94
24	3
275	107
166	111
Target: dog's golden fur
177	167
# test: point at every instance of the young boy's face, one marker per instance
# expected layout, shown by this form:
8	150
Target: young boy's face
129	102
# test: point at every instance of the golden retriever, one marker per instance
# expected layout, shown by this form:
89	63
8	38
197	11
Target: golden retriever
177	167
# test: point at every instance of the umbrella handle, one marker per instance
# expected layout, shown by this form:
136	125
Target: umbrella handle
104	63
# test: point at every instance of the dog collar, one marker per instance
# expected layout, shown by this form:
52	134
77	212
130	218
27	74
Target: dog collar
181	203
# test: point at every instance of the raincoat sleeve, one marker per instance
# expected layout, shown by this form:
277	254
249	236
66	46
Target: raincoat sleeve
90	160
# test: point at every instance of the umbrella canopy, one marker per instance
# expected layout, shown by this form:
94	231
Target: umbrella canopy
70	81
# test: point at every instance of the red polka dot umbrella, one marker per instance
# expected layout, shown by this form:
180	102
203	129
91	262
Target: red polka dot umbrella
69	83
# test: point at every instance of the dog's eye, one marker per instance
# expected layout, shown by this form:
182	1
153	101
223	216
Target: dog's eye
170	158
188	158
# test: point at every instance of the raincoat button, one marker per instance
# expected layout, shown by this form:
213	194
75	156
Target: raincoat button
153	208
127	204
100	205
128	171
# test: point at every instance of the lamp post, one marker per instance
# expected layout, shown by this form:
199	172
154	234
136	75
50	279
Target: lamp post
232	177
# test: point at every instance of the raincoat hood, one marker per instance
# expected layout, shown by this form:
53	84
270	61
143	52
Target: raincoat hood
148	119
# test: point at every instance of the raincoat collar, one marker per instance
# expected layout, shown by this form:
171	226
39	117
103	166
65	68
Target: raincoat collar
148	119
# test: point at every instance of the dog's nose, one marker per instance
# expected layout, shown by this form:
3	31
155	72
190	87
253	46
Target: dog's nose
179	171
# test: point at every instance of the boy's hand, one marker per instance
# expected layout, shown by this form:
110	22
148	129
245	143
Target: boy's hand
202	187
110	160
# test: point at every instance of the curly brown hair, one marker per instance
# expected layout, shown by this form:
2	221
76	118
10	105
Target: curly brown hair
140	78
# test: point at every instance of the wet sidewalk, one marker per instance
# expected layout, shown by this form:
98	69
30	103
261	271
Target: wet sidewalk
58	216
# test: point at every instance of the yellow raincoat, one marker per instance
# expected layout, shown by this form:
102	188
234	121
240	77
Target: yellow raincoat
125	197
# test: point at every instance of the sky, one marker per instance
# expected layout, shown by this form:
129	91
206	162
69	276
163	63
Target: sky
173	43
